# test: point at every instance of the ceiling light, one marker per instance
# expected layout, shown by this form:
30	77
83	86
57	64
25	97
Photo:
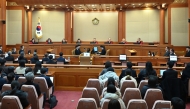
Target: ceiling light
65	5
118	4
34	5
139	4
133	4
110	4
125	4
60	5
73	5
53	5
47	5
92	5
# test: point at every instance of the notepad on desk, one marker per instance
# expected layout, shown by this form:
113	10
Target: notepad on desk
51	78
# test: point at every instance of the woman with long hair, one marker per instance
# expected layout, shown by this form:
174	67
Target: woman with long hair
147	71
37	68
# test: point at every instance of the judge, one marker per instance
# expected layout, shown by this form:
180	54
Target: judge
78	41
32	41
94	41
64	40
187	52
77	50
49	41
139	41
109	41
123	41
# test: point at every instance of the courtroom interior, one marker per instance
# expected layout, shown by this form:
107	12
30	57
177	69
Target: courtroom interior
95	54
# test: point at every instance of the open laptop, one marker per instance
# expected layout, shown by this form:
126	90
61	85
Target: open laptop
161	72
122	57
87	54
52	55
173	58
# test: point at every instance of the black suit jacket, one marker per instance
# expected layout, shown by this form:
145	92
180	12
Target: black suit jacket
9	58
103	52
49	82
77	52
133	73
167	53
37	87
21	51
50	62
187	54
45	59
14	52
1	52
2	82
33	61
169	73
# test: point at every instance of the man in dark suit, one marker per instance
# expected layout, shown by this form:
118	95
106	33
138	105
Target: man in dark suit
1	50
45	59
187	52
21	49
167	53
14	51
43	74
2	80
169	73
34	59
103	52
77	50
51	61
61	59
129	66
9	57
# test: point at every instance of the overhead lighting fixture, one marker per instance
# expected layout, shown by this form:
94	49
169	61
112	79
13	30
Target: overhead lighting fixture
65	5
73	5
92	5
47	5
125	4
163	5
53	5
34	5
133	4
139	4
118	4
60	5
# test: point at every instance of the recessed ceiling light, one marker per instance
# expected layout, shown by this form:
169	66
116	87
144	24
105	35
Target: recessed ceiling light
73	5
110	4
65	5
118	4
53	5
133	4
139	4
125	4
34	5
60	5
92	5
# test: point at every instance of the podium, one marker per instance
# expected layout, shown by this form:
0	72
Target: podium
49	50
130	52
85	60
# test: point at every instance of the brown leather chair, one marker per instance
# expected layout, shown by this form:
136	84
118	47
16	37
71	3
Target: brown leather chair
95	84
35	101
43	86
151	96
87	103
137	104
142	83
131	93
105	104
21	80
162	104
127	84
12	102
107	52
91	93
6	87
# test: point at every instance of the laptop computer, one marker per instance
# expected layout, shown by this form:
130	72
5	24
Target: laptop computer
122	57
173	58
161	72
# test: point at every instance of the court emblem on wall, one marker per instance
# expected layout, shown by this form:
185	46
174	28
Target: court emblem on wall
95	21
39	30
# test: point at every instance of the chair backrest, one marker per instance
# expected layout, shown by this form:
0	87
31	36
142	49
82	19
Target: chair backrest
137	104
162	104
106	82
42	83
131	93
60	63
73	52
11	102
189	88
142	83
127	84
32	95
87	103
6	87
105	104
151	96
84	60
21	80
108	52
95	84
91	93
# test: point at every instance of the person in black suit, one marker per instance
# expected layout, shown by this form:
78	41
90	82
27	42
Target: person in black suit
21	49
103	52
34	59
77	50
51	61
169	73
61	59
43	74
178	103
187	52
129	66
1	50
2	80
9	57
45	59
21	57
186	75
167	53
14	51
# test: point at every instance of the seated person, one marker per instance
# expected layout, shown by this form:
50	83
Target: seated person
139	41
112	94
103	52
152	83
170	72
21	57
28	69
177	103
32	41
94	41
107	65
64	41
51	61
10	77
14	51
123	72
147	71
9	57
88	50
2	80
45	59
19	93
21	49
1	50
109	41
172	53
37	68
77	50
78	41
21	68
128	77
49	41
114	104
167	53
35	51
123	41
29	81
187	52
34	59
61	58
43	74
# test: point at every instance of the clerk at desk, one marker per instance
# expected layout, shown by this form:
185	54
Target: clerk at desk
77	50
103	52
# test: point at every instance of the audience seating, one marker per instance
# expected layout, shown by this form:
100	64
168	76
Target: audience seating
142	83
36	102
87	103
137	104
96	84
6	87
21	80
105	104
151	96
43	86
91	93
12	102
10	62
60	63
105	84
131	93
162	104
127	84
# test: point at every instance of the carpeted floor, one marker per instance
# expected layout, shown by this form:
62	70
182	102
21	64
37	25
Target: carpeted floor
66	99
